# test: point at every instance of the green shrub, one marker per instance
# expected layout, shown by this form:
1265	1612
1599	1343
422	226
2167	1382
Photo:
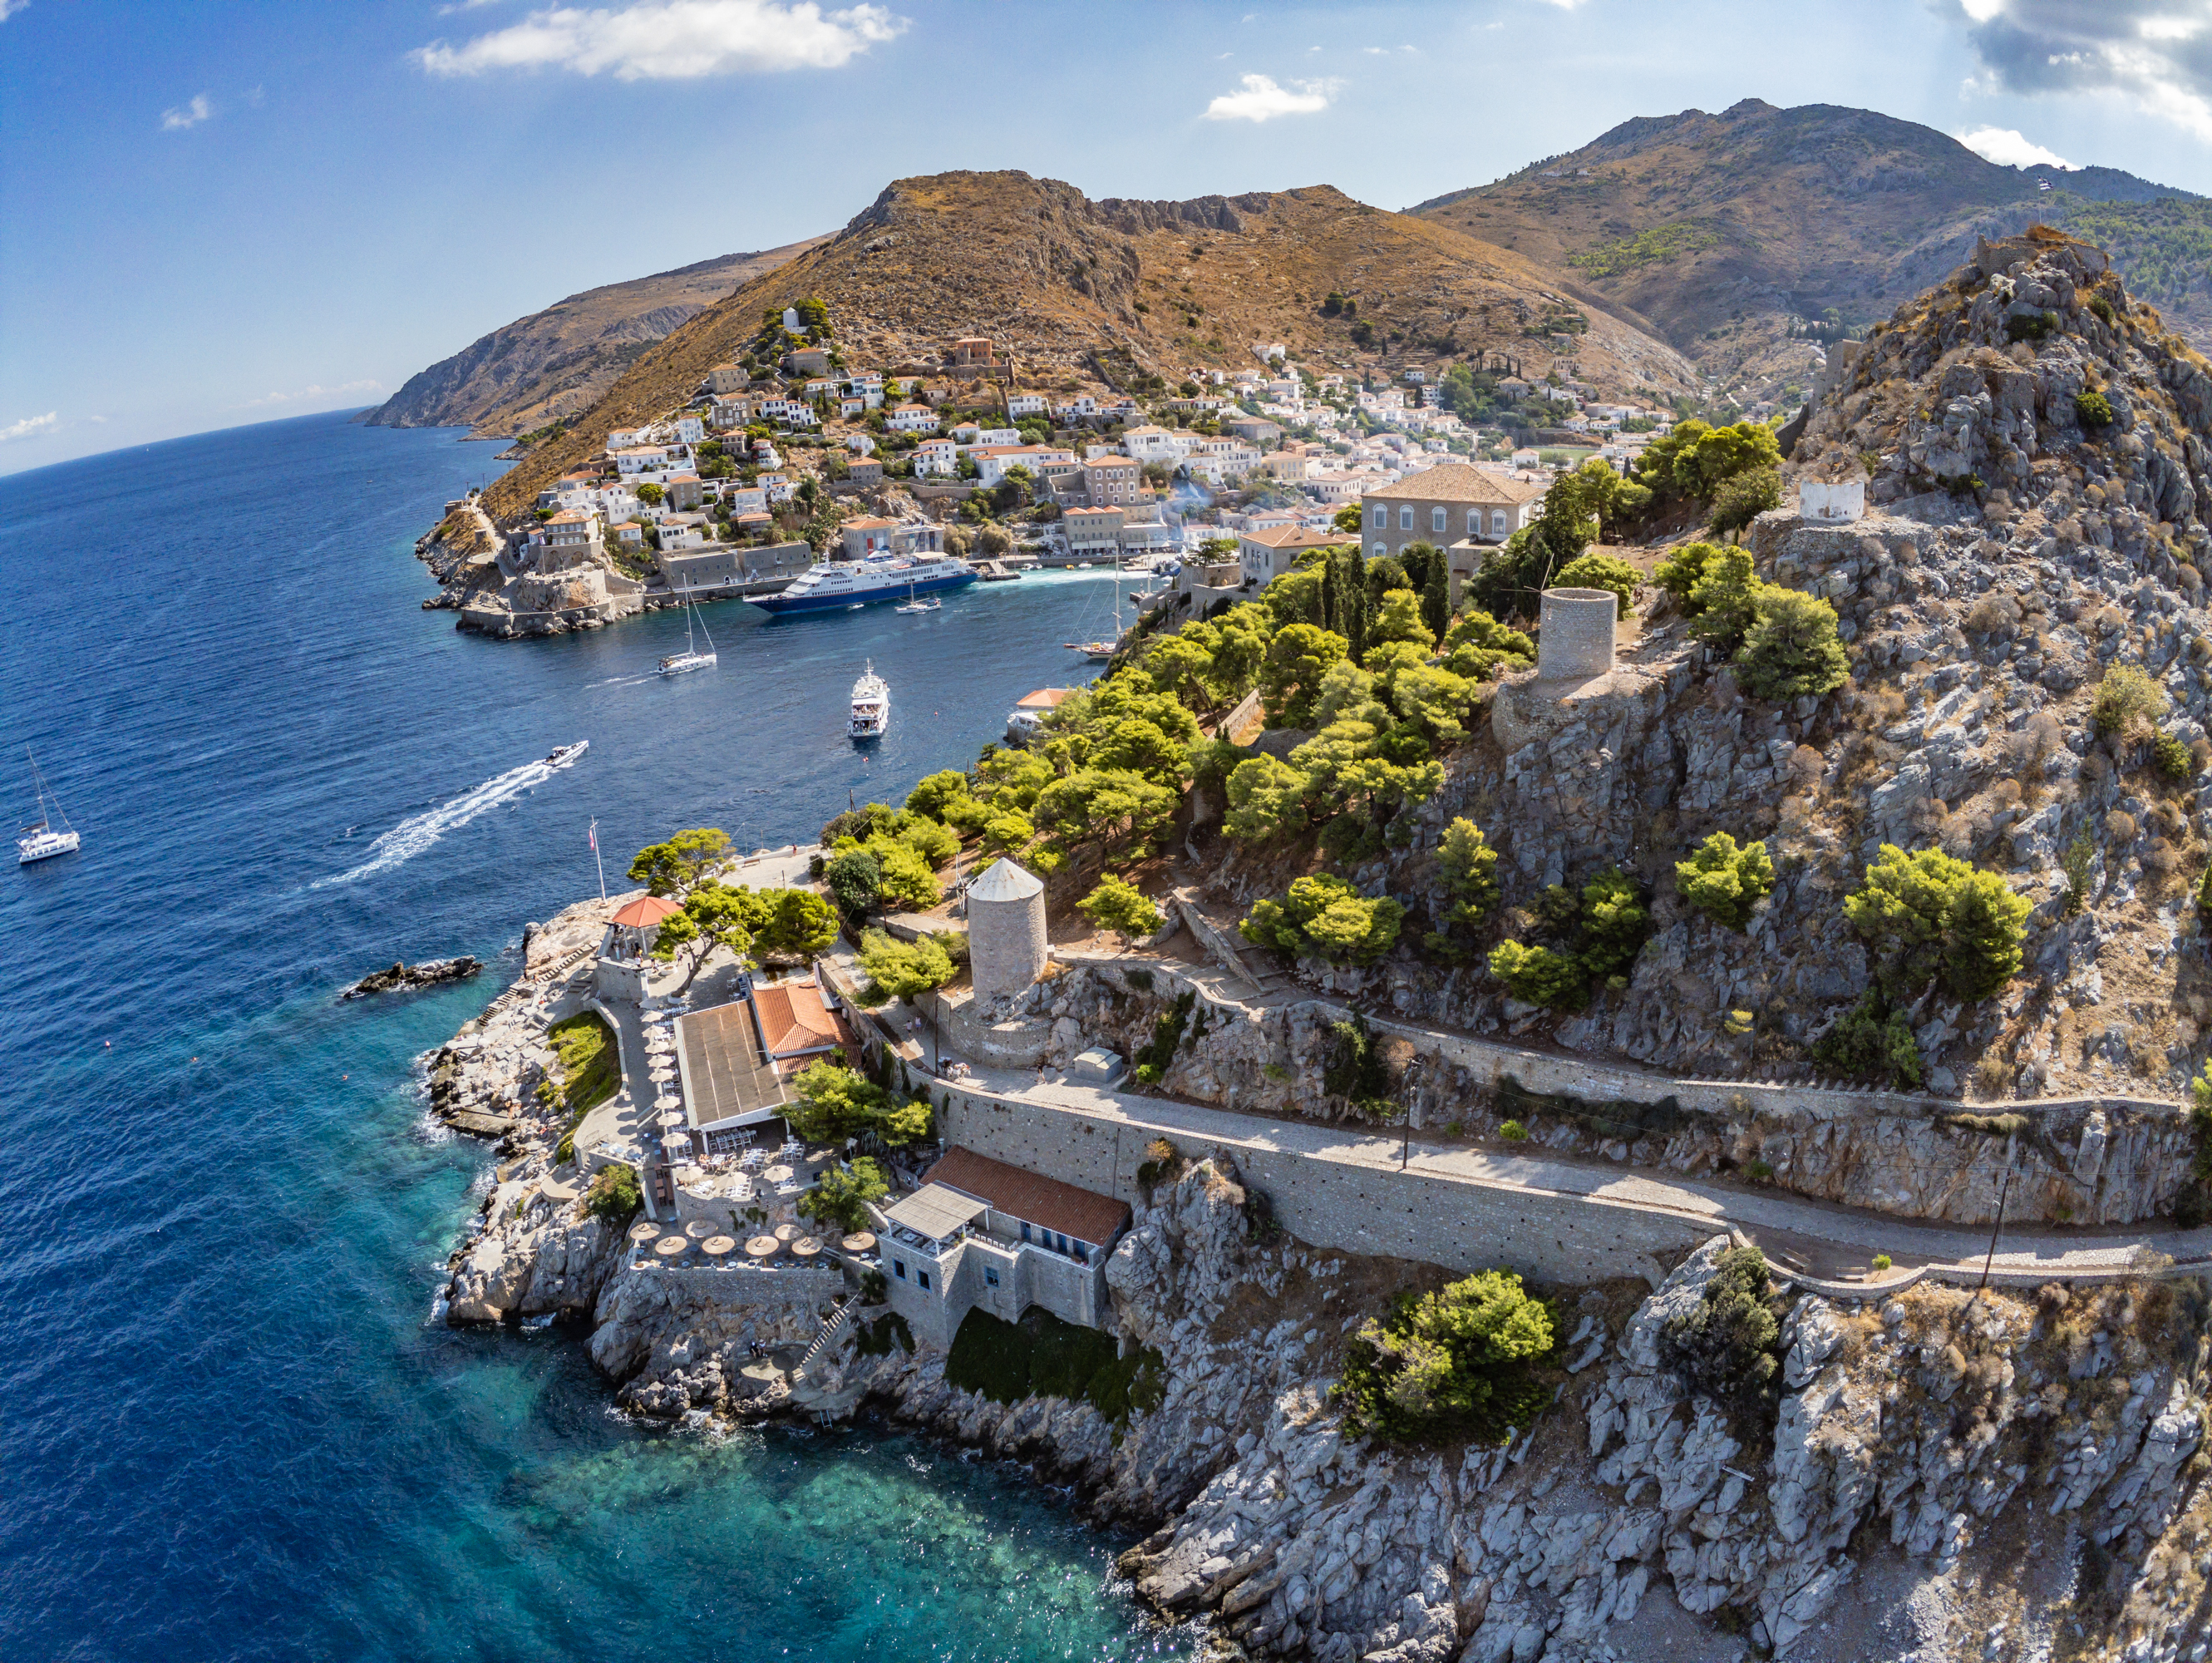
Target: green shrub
1324	917
854	879
2127	702
2030	325
839	1195
1456	1364
875	1339
1881	1262
2075	864
1119	907
1167	1037
1926	917
2171	757
2094	409
1721	605
1513	1131
900	970
1601	571
1990	1125
2102	308
1791	648
1724	881
1728	1346
1470	872
614	1194
1538	975
1678	574
1740	500
1871	1041
1355	1070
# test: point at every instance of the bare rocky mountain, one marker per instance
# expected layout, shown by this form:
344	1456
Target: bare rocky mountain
1718	227
1086	295
558	363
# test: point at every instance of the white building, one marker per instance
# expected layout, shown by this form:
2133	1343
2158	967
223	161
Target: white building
1027	404
912	419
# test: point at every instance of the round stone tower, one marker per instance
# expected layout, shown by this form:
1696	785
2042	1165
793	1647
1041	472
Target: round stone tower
1576	639
1005	931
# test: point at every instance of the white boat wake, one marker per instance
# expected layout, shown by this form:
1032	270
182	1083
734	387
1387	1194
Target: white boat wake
412	836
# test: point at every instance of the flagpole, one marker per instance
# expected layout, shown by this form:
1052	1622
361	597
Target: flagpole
600	859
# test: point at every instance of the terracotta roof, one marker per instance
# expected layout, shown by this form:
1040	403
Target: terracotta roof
793	1019
1080	1214
1045	699
1457	482
645	912
1296	536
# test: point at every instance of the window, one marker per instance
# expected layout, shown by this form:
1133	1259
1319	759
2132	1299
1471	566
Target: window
898	1269
1406	518
1382	516
1381	549
1063	1244
990	1276
921	1280
1436	520
1025	1233
1474	523
1497	522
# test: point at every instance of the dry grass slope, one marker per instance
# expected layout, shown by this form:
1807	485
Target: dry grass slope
1088	294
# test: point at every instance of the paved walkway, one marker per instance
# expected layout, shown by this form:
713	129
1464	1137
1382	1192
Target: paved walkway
1815	1237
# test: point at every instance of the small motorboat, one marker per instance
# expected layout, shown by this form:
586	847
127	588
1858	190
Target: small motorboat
872	706
564	754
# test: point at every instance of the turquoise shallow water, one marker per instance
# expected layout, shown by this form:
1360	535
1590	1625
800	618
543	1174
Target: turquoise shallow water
227	1427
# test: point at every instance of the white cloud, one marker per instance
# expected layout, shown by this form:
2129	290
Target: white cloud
31	427
187	115
10	7
673	40
2156	54
344	389
2008	149
1259	99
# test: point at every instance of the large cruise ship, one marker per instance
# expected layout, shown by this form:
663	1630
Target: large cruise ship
831	585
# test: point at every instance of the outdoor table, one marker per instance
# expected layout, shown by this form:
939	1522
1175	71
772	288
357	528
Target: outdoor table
762	1246
644	1230
862	1242
716	1246
669	1246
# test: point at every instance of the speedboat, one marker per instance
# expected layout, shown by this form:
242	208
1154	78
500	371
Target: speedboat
564	754
872	706
40	841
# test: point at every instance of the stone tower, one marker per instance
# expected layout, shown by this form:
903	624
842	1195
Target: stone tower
1575	639
1005	931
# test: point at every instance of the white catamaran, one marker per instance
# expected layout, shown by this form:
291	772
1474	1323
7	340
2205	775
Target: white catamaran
872	706
41	842
691	658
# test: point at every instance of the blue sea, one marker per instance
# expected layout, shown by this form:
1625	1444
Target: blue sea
228	1428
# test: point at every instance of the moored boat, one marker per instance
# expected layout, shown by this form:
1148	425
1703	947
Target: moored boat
836	585
39	841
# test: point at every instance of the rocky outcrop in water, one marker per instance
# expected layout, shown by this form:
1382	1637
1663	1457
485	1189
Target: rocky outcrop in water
430	972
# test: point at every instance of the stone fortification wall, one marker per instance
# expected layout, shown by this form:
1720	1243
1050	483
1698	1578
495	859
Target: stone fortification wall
1356	1208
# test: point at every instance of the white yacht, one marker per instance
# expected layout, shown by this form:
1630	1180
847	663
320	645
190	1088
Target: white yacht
834	585
563	755
872	706
40	841
691	658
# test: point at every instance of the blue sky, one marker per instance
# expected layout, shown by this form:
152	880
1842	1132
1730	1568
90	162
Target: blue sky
220	213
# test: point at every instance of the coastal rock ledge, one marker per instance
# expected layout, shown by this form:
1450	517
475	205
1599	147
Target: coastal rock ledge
429	973
1990	1469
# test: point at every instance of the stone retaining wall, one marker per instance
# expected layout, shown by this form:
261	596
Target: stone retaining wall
1352	1208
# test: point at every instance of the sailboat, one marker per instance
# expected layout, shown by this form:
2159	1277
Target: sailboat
1101	652
691	658
41	841
913	605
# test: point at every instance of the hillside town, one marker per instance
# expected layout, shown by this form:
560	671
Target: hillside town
792	456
